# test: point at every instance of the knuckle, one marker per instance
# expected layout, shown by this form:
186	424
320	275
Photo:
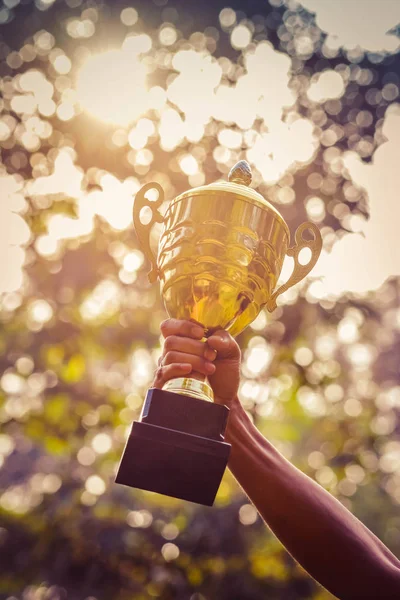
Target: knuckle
169	357
158	375
169	343
164	325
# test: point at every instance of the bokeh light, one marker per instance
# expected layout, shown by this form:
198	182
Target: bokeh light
98	99
124	73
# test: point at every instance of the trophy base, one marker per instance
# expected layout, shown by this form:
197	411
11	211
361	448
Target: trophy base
177	448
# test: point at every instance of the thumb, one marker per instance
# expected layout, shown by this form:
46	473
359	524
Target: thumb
224	344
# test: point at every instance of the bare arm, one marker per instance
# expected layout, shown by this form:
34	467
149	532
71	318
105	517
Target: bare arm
319	532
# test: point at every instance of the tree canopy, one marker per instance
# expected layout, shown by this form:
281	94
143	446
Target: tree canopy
99	98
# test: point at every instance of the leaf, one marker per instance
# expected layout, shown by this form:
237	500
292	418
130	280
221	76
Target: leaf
56	408
55	445
74	370
55	355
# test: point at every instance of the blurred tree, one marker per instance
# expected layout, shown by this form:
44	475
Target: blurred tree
80	323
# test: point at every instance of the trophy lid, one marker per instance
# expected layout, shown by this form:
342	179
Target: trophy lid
238	183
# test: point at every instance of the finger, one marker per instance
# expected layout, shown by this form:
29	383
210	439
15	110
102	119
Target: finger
210	353
199	364
224	344
165	373
182	328
188	345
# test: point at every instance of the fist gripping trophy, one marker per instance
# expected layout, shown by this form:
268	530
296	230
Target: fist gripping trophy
219	257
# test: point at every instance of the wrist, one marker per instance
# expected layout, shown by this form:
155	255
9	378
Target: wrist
233	403
238	420
245	438
251	453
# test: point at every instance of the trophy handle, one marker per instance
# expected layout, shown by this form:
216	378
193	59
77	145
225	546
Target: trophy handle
299	270
142	229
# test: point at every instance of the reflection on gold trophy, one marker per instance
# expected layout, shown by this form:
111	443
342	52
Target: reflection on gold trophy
219	257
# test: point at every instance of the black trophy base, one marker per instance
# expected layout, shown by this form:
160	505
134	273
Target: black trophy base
177	448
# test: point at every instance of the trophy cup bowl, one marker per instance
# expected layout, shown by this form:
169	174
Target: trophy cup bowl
219	258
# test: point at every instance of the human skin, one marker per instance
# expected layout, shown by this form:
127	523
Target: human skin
319	532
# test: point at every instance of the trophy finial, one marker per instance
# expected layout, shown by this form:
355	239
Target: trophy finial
240	173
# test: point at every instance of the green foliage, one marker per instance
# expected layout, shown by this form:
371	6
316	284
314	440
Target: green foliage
76	366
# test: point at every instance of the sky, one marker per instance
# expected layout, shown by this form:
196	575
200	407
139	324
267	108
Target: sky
364	23
360	262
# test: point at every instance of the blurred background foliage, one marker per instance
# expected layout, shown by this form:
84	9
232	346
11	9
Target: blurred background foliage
179	94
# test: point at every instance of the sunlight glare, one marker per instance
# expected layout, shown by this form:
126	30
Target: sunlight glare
112	85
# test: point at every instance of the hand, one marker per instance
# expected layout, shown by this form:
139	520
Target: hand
184	353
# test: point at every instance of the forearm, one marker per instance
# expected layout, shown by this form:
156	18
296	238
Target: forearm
324	537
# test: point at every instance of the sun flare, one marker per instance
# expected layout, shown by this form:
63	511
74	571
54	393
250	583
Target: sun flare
112	85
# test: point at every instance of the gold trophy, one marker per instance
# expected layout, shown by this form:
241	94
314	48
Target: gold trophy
219	257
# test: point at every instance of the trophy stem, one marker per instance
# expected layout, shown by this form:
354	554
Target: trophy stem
189	386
